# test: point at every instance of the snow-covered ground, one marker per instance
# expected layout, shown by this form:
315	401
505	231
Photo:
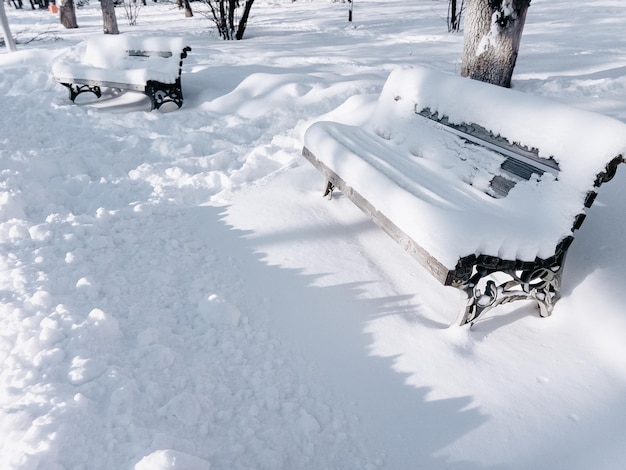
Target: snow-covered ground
175	292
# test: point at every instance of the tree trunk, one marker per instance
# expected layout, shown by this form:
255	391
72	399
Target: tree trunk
223	27
493	32
109	20
188	10
453	23
244	19
455	11
6	31
232	5
67	14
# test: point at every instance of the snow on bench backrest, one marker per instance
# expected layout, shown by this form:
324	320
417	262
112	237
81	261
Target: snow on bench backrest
123	58
581	142
112	51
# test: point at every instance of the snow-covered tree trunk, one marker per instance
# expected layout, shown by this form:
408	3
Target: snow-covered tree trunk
6	31
67	14
109	20
492	36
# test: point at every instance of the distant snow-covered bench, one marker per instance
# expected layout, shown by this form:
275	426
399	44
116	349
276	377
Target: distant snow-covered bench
483	185
151	65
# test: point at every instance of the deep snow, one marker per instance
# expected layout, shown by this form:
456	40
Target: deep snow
175	292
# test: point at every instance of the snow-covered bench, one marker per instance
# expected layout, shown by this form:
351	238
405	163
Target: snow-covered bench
151	65
483	185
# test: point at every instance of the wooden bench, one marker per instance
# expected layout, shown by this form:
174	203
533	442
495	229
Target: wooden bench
483	185
151	65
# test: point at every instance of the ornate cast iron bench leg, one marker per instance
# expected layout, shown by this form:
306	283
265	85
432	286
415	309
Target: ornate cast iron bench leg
76	90
542	285
161	93
328	190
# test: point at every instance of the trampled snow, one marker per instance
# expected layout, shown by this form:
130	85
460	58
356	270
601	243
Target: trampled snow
175	292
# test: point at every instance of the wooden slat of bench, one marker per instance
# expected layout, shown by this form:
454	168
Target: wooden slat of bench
141	53
437	269
520	162
485	138
101	83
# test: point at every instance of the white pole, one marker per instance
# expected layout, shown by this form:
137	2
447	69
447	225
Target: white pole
6	32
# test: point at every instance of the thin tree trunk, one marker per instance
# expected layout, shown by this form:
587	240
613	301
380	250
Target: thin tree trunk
223	22
6	31
455	10
109	20
67	14
188	10
244	19
231	17
453	20
493	32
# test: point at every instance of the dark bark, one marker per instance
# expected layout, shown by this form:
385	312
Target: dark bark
455	11
223	24
493	32
67	14
244	19
232	5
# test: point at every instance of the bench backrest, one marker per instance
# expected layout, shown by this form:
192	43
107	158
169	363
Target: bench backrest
533	135
517	163
162	54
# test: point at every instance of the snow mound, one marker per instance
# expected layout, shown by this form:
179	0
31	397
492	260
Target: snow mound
171	460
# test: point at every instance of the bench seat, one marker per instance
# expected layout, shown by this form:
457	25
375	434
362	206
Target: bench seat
432	204
127	78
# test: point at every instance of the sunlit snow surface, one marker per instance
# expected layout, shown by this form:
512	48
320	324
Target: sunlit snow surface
175	292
